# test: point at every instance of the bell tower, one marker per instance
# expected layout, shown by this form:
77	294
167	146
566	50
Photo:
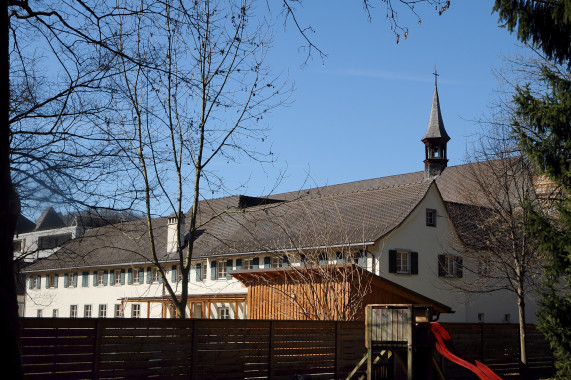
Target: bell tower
435	139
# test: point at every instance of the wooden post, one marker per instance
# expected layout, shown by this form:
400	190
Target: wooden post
97	351
369	311
271	351
193	351
409	345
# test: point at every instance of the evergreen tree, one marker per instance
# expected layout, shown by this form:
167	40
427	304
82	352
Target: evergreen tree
543	127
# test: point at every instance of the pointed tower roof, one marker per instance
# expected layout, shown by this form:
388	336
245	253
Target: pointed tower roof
49	220
435	128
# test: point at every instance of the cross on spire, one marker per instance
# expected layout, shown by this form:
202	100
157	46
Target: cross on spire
435	73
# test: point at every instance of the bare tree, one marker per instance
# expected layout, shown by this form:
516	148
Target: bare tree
498	253
202	95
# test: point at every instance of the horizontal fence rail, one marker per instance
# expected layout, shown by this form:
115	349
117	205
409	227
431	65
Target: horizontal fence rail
62	348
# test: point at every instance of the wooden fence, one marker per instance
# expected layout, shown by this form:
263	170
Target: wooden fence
195	349
236	349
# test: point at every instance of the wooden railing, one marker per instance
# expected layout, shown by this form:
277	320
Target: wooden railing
61	348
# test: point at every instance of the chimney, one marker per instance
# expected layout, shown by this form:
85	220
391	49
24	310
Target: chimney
172	222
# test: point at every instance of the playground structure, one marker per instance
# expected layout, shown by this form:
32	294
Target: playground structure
400	340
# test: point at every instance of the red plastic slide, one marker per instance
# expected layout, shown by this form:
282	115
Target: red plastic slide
445	347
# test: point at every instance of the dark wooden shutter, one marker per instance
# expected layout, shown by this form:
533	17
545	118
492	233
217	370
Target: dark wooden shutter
122	276
238	264
213	270
459	267
94	278
129	276
392	261
148	275
199	272
256	262
414	263
65	280
267	262
141	275
229	264
173	274
56	277
441	269
112	277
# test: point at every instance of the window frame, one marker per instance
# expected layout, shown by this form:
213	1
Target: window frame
431	217
407	261
135	310
118	311
450	266
102	310
55	313
87	311
73	311
221	271
223	312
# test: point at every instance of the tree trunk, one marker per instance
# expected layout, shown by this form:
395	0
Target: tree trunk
522	329
9	210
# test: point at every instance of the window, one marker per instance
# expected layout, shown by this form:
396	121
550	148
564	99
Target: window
52	281
430	217
196	310
221	273
73	311
248	263
154	275
85	279
135	276
17	245
135	310
481	317
100	278
52	241
118	311
55	313
277	262
403	262
360	258
449	266
117	273
507	318
200	270
70	280
87	311
483	267
223	313
102	311
34	282
39	313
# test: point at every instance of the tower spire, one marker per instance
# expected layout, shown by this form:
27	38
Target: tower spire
435	138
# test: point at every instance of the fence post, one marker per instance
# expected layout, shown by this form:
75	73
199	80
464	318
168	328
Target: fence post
193	350
97	348
271	360
338	350
482	342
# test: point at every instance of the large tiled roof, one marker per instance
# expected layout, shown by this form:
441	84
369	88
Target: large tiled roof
354	213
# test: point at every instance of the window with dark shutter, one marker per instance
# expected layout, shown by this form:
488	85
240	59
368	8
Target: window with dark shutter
414	263
392	261
441	269
199	272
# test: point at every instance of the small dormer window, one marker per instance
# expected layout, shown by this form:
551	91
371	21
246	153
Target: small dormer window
431	217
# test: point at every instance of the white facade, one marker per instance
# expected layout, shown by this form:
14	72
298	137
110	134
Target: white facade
125	290
31	246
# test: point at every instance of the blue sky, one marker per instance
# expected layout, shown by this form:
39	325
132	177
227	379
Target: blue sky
362	114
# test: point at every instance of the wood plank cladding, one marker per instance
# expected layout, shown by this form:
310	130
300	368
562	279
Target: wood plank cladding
332	292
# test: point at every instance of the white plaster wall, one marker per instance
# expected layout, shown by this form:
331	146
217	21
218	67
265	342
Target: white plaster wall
29	240
429	242
62	298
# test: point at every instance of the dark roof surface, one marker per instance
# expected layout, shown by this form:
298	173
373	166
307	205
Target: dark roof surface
49	220
435	129
349	214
